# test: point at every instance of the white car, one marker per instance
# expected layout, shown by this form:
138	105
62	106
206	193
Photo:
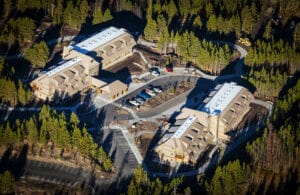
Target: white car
150	92
139	100
133	102
157	90
186	70
155	73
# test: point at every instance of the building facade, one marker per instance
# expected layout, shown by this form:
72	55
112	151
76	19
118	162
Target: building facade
82	61
195	130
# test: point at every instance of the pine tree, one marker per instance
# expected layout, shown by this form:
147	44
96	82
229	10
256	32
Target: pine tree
107	15
84	9
76	137
58	12
107	165
7	182
212	23
37	55
172	10
33	135
22	96
98	17
44	117
150	30
198	22
7	5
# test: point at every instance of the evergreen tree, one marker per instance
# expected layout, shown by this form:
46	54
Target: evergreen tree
33	135
172	10
107	165
212	23
7	182
38	55
58	12
150	30
7	5
22	94
76	137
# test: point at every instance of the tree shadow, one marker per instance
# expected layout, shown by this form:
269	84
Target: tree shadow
15	164
20	163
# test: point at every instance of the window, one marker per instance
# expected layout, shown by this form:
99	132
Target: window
189	137
238	103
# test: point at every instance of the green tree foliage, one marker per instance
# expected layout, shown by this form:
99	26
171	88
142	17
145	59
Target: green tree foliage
171	10
52	127
37	55
100	17
150	30
212	24
24	95
209	57
268	83
58	12
21	30
274	54
275	158
7	5
141	184
33	134
7	182
274	161
198	22
8	92
296	36
7	135
84	9
185	7
72	16
248	18
229	179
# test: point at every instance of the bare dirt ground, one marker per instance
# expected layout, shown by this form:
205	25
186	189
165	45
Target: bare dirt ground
50	154
144	143
143	133
255	114
28	187
130	64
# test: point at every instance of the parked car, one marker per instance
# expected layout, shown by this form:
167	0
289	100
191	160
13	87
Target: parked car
186	70
144	95
169	67
156	89
149	88
133	102
139	100
155	71
150	92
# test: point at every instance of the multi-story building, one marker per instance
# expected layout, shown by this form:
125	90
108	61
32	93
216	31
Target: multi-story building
83	60
196	129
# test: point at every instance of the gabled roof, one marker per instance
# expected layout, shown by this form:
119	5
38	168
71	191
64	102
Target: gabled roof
222	98
187	123
63	66
115	87
99	39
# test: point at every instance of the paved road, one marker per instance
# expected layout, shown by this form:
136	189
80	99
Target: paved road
122	147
